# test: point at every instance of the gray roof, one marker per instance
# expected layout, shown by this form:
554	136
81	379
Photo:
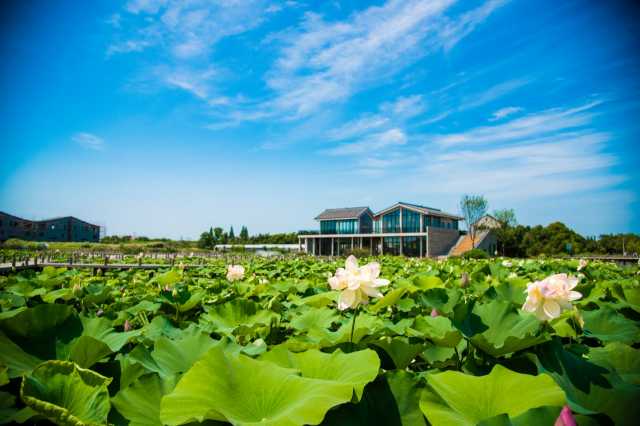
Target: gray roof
422	209
343	213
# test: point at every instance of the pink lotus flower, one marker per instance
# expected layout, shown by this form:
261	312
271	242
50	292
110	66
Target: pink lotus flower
565	418
434	313
548	298
235	272
127	326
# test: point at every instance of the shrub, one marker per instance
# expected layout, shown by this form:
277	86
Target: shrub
357	252
475	254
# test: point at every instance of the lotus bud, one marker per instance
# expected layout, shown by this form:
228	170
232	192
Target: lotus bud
99	313
77	290
181	266
434	313
127	326
582	264
174	293
464	280
167	288
565	418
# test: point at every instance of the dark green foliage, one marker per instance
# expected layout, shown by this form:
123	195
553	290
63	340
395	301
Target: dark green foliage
475	254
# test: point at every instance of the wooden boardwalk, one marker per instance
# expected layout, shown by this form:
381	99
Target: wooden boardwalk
8	268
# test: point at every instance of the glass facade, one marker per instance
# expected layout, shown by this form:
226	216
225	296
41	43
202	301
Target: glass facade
366	224
391	245
410	221
339	226
411	246
391	222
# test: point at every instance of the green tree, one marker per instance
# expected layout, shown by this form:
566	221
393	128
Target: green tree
217	235
473	208
507	220
232	235
244	234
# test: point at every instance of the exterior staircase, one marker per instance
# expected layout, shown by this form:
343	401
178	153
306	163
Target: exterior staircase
463	244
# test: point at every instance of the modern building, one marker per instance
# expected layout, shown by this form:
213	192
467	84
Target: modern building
402	229
66	228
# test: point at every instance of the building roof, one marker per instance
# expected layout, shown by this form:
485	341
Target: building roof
48	220
343	213
420	209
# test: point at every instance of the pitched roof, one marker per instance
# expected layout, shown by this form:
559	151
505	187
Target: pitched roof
343	213
421	209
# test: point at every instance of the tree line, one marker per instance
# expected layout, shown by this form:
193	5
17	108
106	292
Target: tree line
214	236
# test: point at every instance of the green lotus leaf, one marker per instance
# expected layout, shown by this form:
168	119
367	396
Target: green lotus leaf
440	330
171	357
399	349
406	392
353	370
619	358
389	299
36	321
315	318
510	329
86	351
102	329
536	416
17	361
457	398
140	402
607	325
144	306
226	318
168	278
64	293
238	389
426	282
67	394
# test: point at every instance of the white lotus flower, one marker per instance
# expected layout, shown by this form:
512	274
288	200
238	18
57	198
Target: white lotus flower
507	264
548	298
357	283
582	264
235	272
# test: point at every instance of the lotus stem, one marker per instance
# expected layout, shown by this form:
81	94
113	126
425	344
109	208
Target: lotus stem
353	326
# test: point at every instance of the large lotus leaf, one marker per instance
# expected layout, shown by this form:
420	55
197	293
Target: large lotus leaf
168	278
440	330
586	387
406	392
144	306
536	416
353	370
389	299
67	394
321	299
86	351
37	321
426	282
399	349
96	292
102	329
64	293
194	300
314	318
366	325
238	389
510	330
620	358
140	402
457	398
18	362
227	317
609	326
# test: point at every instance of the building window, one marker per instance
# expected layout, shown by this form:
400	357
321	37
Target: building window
391	222
391	245
366	224
410	221
339	226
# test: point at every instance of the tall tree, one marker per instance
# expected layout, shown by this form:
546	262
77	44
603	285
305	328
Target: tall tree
507	220
232	235
473	208
244	234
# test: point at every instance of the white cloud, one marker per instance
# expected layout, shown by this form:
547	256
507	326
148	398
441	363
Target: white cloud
529	125
377	141
504	112
492	93
358	127
404	107
89	141
325	62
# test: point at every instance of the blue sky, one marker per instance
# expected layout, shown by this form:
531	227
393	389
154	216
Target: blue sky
163	117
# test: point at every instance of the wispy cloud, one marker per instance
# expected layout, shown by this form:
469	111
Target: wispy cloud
547	153
325	62
504	112
88	141
492	93
525	127
376	141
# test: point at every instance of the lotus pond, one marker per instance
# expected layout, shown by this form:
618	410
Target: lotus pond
447	343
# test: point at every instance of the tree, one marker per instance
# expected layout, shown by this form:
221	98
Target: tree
244	234
473	208
507	220
206	240
218	235
232	235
